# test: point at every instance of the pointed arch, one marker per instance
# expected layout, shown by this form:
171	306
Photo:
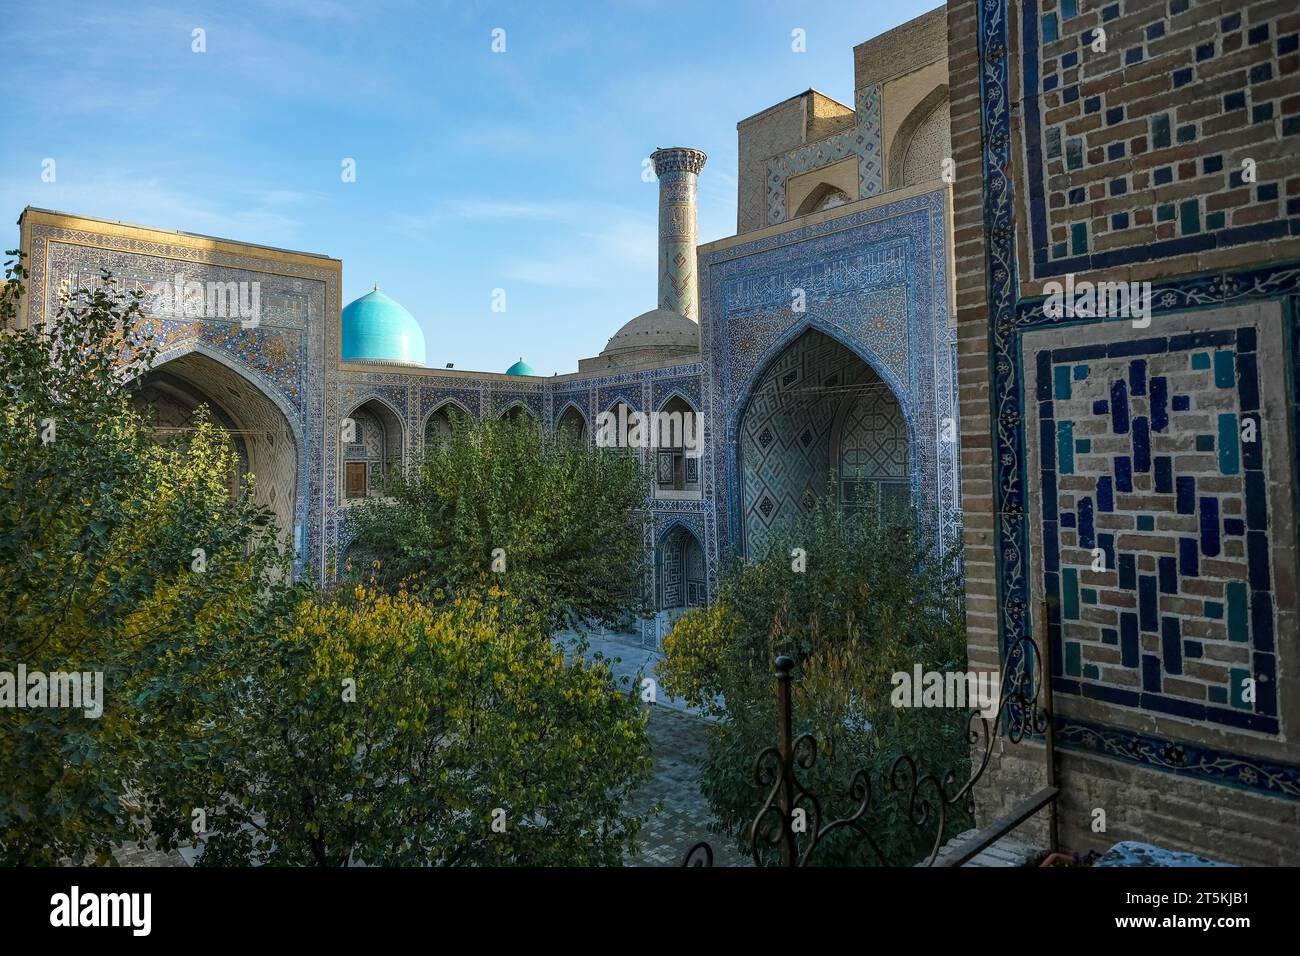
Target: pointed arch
920	116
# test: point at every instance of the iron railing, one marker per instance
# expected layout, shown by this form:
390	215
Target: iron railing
1024	710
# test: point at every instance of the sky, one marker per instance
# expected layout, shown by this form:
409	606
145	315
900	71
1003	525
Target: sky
475	170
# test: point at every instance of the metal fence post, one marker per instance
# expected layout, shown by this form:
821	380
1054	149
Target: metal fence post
785	747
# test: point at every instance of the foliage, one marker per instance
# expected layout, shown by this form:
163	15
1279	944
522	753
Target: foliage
98	530
456	717
568	520
874	600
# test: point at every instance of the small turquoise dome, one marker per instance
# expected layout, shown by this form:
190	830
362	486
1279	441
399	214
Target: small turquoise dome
378	329
520	368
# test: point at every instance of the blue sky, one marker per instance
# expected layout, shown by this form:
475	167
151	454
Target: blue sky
475	170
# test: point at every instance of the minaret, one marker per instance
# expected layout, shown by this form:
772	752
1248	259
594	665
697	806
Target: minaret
677	169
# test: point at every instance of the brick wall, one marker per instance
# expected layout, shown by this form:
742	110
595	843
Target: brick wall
1121	163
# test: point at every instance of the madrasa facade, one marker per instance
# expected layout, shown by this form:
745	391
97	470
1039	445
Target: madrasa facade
816	346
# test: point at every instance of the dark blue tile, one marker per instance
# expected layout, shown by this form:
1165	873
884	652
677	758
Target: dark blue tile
1137	376
1181	403
1209	522
1087	536
1186	490
1110	636
1101	407
1171	644
1128	624
1141	445
1256	501
1067	519
1193	650
1105	495
1148	602
1261	620
1164	468
1168	572
1257	560
1189	557
1124	474
1257	34
1107	544
1182	77
1159	403
1150	673
1248	381
1234	526
1246	340
1114	115
1177	706
1204	51
1119	408
1128	572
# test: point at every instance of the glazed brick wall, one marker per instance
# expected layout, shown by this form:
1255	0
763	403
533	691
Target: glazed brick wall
1142	146
1240	100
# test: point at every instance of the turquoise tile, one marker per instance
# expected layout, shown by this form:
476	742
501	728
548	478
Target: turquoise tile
1205	443
1073	658
1225	373
1229	448
1092	672
1083	446
1080	372
1200	360
1062	376
1065	447
1088	595
1070	595
1214	610
1049	27
1218	695
1146	522
1079	238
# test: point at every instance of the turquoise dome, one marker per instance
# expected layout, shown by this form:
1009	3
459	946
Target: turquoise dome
520	368
378	329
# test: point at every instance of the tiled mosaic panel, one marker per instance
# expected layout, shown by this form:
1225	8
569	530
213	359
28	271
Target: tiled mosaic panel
1143	465
876	280
1134	153
863	140
788	433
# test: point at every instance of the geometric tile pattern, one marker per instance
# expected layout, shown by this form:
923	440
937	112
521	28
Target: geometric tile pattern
876	282
1124	172
862	140
1011	320
1155	525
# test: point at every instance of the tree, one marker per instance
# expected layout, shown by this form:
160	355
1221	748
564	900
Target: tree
380	729
873	600
100	532
502	505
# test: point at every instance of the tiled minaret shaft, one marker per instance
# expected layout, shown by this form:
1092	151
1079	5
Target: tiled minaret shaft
678	169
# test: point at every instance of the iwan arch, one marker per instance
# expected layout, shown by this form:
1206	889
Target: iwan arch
816	341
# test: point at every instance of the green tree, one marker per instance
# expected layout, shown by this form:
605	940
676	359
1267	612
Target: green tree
380	729
873	600
501	504
99	526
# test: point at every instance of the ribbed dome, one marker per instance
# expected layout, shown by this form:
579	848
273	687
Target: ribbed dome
520	368
656	329
377	329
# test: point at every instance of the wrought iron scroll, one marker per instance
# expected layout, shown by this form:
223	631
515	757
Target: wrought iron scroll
1021	713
